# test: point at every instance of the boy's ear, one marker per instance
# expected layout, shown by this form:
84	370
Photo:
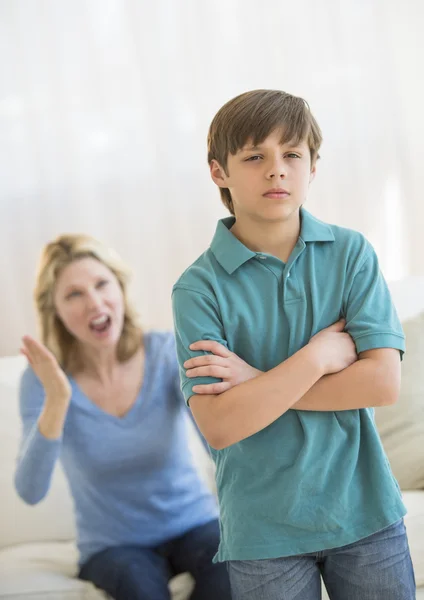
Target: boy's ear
313	173
218	174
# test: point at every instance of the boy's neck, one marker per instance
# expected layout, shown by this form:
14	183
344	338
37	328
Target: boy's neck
277	239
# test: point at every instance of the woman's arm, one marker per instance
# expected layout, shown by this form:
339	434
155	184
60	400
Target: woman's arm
43	409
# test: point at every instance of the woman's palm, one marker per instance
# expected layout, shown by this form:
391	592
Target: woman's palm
47	369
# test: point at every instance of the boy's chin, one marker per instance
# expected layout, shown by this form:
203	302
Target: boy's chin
281	214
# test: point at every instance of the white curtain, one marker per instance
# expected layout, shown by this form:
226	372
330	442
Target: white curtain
104	110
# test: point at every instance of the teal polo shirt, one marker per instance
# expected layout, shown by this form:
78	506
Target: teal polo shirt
311	480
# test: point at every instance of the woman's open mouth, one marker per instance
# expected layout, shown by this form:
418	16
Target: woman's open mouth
100	324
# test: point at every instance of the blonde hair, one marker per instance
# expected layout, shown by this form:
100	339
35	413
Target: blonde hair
253	116
57	255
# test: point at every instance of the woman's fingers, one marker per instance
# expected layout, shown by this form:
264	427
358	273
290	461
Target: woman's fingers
211	346
26	354
30	345
29	349
210	371
34	345
37	351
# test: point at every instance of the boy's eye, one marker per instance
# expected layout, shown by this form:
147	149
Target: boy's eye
292	155
253	158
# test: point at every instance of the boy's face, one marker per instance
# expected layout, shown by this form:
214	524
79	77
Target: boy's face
268	182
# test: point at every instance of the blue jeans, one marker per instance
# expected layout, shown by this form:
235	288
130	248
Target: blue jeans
135	573
377	567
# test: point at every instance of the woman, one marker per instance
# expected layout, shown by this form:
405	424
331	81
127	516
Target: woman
105	400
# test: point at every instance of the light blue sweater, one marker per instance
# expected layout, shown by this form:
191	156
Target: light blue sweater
132	478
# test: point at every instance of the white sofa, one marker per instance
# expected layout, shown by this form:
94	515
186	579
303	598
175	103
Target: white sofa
37	550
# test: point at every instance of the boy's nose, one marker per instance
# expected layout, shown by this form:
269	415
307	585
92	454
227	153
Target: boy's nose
278	173
277	170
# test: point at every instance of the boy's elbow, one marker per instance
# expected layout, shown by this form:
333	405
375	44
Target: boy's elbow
385	376
214	437
389	397
218	442
210	421
221	438
389	392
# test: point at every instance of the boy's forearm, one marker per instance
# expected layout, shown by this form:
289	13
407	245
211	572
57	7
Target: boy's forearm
253	405
366	383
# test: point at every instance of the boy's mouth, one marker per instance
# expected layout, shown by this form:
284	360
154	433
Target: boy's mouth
276	193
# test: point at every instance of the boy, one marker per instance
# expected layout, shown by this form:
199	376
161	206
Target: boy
304	486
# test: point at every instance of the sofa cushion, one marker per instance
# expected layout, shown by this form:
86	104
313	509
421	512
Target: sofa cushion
401	425
46	571
43	571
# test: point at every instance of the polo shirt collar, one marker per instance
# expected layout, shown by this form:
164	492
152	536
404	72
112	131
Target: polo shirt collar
227	249
231	253
314	230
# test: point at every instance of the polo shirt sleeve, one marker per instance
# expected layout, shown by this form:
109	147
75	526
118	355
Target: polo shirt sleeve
196	317
371	317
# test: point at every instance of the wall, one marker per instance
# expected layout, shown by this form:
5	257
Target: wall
105	105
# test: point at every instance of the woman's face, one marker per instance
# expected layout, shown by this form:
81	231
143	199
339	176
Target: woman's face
90	303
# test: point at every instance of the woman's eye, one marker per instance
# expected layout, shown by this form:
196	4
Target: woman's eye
73	294
102	283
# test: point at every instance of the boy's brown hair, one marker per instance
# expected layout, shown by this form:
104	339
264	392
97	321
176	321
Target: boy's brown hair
253	116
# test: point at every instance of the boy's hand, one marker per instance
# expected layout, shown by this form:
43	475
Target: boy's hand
221	364
335	348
